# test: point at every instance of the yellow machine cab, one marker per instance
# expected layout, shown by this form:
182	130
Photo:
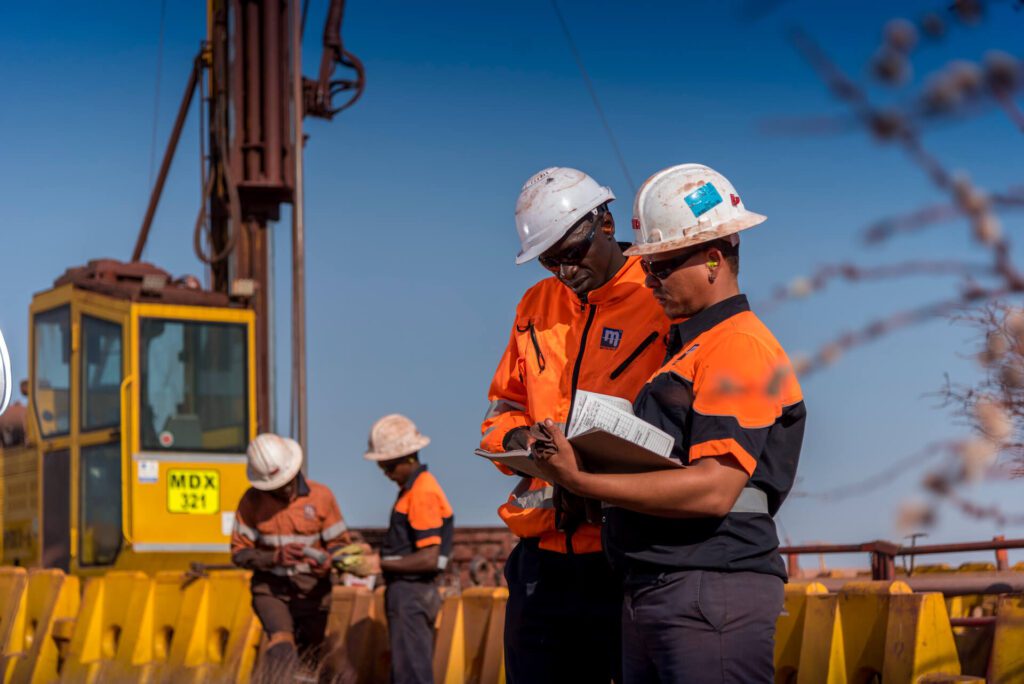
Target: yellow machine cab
131	453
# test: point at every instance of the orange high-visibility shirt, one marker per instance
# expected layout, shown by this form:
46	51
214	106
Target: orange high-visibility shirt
421	517
313	519
728	391
610	343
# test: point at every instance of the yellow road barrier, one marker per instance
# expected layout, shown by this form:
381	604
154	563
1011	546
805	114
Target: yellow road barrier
918	639
41	627
217	635
469	645
876	629
1007	663
355	639
13	583
112	636
789	628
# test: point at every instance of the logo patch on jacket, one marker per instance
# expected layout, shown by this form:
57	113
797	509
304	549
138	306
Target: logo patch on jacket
309	512
610	338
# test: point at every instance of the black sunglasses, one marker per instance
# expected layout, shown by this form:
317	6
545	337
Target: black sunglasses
389	466
578	252
663	268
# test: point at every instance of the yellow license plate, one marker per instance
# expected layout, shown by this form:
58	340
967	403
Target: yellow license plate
193	491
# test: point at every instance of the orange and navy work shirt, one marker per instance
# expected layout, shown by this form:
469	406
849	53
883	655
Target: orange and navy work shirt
313	519
421	518
610	343
727	390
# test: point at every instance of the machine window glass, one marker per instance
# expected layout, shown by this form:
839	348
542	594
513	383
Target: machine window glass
100	515
193	386
51	393
101	373
56	488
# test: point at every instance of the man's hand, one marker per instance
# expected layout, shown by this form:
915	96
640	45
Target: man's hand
289	555
322	568
370	565
558	464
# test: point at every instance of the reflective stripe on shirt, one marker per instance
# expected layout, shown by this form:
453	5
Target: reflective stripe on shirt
246	531
499	406
334	531
536	498
285	539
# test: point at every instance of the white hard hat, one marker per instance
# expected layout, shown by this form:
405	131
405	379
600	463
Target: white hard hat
274	461
550	203
686	205
5	375
394	436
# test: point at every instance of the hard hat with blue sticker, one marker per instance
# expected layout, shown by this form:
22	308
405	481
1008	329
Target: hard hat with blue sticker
703	199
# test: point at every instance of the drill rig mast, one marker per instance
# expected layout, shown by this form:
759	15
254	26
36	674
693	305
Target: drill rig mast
253	100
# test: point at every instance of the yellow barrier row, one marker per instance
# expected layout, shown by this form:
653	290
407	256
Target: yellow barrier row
867	630
36	621
468	642
128	626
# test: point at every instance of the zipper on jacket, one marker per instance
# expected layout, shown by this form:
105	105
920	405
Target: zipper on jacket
634	355
579	362
541	361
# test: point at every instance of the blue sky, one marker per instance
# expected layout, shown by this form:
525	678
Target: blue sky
412	285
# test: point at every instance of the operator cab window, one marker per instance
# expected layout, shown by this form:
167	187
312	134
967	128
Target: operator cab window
101	373
193	386
51	392
100	502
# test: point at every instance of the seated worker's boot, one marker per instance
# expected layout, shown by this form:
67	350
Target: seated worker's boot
279	659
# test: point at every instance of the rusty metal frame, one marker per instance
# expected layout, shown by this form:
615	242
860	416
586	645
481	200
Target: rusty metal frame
883	563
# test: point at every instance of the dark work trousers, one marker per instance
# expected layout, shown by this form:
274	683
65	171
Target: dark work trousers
562	622
282	608
700	627
411	607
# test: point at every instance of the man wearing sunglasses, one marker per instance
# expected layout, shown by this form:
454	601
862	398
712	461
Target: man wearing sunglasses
697	545
590	326
416	548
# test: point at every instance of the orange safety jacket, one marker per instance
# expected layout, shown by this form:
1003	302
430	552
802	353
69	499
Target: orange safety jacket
610	343
312	519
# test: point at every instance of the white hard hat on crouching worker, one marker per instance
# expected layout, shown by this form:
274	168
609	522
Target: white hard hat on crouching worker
550	203
274	461
687	205
394	436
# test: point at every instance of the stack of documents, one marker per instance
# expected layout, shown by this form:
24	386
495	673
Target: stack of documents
608	438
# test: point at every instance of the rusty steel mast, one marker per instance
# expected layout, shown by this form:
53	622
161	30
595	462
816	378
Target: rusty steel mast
252	104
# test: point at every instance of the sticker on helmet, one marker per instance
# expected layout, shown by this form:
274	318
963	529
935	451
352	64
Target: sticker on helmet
703	199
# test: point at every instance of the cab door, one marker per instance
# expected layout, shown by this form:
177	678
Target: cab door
99	459
50	403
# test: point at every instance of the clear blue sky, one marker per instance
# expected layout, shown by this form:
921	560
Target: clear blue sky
410	194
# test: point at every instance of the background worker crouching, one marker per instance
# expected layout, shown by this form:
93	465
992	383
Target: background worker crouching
286	528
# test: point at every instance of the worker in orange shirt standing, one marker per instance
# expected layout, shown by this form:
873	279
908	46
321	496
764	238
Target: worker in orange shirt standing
590	326
697	545
416	548
286	528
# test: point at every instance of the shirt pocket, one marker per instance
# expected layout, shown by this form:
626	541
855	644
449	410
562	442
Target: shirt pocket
634	355
529	347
